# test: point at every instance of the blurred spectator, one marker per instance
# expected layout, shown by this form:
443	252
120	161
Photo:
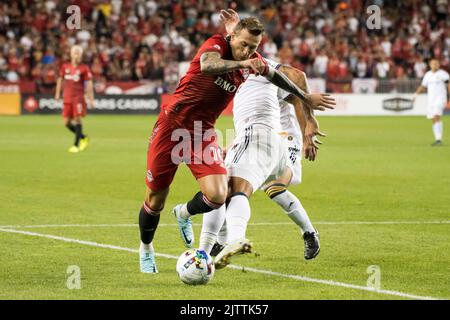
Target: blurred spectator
320	64
333	68
97	69
12	76
420	68
124	73
386	45
382	68
285	54
48	78
49	57
3	66
141	66
361	67
270	49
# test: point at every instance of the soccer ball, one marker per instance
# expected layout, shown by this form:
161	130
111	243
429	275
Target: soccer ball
195	266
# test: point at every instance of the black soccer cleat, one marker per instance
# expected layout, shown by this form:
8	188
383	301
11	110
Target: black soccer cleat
312	244
216	249
437	143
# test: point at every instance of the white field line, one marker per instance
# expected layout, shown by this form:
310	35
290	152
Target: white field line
248	269
127	225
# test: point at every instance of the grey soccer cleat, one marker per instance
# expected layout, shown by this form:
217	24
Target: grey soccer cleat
232	249
437	143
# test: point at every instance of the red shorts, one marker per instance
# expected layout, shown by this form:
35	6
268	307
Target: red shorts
169	147
74	108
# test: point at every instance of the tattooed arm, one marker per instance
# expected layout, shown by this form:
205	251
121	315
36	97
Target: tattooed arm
212	63
311	101
283	82
299	78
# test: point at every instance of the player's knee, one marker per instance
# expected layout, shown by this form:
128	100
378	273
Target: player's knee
217	195
241	185
156	199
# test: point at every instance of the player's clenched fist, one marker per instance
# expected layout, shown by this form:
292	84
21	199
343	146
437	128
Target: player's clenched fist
258	66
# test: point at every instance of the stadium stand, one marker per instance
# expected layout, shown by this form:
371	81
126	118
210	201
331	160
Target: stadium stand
128	40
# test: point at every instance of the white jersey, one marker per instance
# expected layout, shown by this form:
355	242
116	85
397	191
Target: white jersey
435	82
291	130
268	137
256	102
288	119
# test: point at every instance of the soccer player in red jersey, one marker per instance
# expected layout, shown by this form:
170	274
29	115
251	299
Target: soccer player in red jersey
75	74
184	130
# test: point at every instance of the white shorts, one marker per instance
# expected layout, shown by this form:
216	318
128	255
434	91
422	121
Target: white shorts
258	156
294	156
435	109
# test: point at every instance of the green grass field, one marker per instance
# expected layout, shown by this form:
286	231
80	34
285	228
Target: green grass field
378	194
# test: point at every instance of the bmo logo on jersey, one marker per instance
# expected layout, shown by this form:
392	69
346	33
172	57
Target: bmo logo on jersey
74	77
225	85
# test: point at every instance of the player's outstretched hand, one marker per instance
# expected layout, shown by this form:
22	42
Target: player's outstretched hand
321	101
309	150
230	19
312	131
310	141
257	65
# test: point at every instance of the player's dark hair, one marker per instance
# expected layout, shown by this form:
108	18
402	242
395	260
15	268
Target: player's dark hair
252	24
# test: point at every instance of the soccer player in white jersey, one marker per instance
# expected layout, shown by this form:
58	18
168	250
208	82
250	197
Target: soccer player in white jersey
294	122
437	82
252	163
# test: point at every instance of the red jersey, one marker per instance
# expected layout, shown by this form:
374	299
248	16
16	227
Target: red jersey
74	78
203	97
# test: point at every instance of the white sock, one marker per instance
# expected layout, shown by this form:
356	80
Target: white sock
294	209
222	236
212	222
146	248
437	130
238	214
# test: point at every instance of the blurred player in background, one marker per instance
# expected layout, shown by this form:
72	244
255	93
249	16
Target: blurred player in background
437	82
74	78
220	66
